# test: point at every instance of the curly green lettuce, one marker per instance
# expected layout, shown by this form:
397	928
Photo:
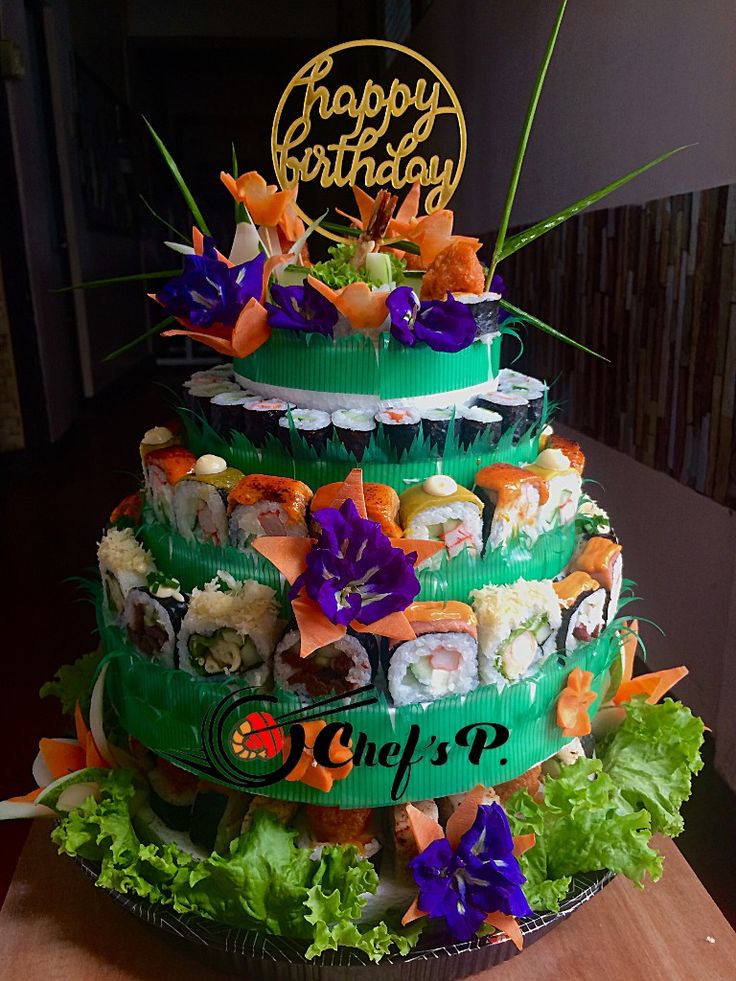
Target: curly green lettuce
266	882
73	682
601	813
337	271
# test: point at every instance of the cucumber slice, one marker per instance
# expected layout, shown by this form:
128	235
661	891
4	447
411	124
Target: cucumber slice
71	790
378	267
422	670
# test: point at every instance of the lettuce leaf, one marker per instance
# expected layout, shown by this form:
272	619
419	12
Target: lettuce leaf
266	882
337	271
73	682
600	814
652	757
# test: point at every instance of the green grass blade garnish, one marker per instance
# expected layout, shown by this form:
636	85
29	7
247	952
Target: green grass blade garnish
181	183
521	239
541	325
163	221
92	284
156	329
524	139
241	212
351	232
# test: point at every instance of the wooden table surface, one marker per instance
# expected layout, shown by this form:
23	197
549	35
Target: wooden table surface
55	926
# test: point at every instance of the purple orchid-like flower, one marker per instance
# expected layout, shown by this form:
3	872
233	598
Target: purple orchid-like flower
497	284
444	325
481	876
209	291
301	308
354	572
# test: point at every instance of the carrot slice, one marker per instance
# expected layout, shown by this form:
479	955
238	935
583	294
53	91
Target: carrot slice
654	686
508	925
424	828
573	704
26	798
395	626
628	650
314	628
413	913
287	552
351	487
62	758
462	819
363	307
522	843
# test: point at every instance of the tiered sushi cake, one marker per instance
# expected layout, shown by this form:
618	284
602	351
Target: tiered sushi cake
365	681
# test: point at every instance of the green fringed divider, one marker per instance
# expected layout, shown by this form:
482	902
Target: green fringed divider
353	365
165	709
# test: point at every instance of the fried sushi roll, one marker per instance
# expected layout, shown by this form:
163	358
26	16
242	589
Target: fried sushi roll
200	500
282	810
162	471
339	667
404	842
230	629
443	660
517	629
124	565
340	826
513	498
440	510
564	484
381	505
260	504
583	605
602	560
529	781
152	618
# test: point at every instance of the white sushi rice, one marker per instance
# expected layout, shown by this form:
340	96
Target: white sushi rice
124	564
200	512
517	627
590	615
561	506
249	521
522	516
248	608
414	678
359	673
439	523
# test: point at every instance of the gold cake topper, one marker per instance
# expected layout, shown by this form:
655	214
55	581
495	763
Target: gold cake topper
369	152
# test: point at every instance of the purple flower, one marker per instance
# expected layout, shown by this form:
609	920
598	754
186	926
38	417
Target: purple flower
481	876
208	291
353	571
444	325
497	284
301	308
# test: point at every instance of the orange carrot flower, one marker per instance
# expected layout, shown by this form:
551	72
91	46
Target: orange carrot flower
266	204
573	704
311	773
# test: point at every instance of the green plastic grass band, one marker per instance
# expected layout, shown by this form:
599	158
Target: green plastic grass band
165	709
352	365
379	463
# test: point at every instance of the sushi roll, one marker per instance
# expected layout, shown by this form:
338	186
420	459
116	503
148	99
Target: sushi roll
473	423
282	810
564	484
602	560
226	412
339	667
200	500
261	419
313	425
124	565
513	498
339	826
199	395
513	409
443	660
485	308
158	438
436	427
583	604
517	629
512	382
162	471
531	781
381	505
570	449
217	817
152	618
260	504
440	510
230	629
354	428
401	427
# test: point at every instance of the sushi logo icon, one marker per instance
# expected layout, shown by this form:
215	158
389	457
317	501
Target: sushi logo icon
326	131
258	736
